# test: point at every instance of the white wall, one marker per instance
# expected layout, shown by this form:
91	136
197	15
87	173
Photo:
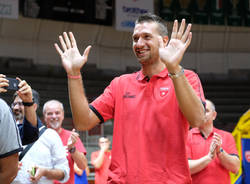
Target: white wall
214	49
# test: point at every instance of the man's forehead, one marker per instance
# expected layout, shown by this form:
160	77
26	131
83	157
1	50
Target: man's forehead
54	109
145	27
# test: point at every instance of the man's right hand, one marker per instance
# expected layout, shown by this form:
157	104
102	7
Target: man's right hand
212	150
71	58
104	147
25	91
3	83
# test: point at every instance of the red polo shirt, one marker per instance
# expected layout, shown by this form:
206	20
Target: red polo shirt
101	174
198	146
150	131
65	135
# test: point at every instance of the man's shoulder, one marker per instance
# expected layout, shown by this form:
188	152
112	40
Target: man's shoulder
190	73
3	106
222	132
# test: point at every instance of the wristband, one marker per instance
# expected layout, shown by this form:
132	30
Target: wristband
74	76
221	151
28	104
176	75
72	150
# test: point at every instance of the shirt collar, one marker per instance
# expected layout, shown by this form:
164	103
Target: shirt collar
197	131
142	77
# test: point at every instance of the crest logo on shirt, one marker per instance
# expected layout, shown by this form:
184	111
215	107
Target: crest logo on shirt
164	91
247	156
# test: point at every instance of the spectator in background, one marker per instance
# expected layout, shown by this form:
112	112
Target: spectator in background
47	155
53	113
211	152
101	160
10	144
24	106
150	108
81	176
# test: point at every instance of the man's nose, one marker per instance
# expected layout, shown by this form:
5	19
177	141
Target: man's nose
54	115
140	42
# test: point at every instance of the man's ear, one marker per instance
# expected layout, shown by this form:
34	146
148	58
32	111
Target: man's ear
165	40
214	115
35	106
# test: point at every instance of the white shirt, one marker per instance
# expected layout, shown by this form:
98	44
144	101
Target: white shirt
47	152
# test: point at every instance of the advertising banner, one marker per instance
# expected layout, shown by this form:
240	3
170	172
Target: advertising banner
127	11
9	9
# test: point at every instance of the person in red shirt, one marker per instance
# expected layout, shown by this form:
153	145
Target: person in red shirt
101	160
211	152
53	113
150	108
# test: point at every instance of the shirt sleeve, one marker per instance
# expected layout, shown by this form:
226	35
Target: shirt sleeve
195	82
58	154
105	103
28	132
10	142
230	146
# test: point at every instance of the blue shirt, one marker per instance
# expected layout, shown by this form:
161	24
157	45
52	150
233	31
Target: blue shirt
29	133
81	179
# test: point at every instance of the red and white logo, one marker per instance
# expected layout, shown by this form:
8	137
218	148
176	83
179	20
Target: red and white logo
164	91
247	155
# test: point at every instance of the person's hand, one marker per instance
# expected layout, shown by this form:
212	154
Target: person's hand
104	146
218	141
172	54
212	150
39	173
25	91
3	83
72	139
71	58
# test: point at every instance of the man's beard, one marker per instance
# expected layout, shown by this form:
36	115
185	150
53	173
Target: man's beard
55	125
18	116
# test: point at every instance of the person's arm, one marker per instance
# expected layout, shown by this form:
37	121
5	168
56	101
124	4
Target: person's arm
78	157
51	174
83	117
25	93
97	163
171	55
196	166
28	132
7	173
230	162
77	170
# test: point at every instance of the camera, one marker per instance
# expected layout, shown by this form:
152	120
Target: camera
13	84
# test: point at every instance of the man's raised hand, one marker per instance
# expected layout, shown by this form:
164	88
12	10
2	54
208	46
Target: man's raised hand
172	54
71	58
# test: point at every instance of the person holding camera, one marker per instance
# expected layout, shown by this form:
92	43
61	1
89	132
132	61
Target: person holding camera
24	106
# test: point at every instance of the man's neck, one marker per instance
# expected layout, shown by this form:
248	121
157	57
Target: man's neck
18	122
206	129
153	69
59	130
